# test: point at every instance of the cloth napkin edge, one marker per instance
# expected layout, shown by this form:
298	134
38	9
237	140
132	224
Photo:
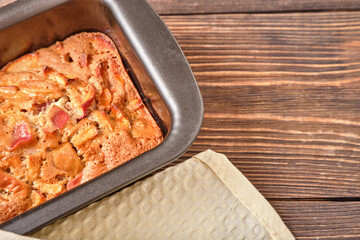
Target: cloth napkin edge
13	236
237	183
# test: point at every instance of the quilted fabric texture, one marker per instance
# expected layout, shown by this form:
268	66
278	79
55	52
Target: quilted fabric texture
193	200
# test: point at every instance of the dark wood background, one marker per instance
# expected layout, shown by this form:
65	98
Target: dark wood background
281	86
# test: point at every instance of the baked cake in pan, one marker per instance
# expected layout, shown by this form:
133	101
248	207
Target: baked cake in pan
68	113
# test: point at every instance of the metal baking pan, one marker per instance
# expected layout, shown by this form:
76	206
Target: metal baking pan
156	64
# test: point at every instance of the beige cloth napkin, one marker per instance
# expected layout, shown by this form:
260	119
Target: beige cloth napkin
205	197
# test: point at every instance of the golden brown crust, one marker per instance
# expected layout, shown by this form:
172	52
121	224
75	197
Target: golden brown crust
68	113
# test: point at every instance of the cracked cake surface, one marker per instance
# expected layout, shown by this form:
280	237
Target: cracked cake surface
68	113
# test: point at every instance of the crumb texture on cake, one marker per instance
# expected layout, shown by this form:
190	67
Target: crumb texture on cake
68	113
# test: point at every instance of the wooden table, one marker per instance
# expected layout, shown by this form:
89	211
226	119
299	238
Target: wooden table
281	86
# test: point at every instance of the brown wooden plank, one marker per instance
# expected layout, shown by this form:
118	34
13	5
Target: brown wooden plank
320	220
246	6
282	97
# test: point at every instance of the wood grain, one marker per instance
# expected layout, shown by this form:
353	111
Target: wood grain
243	6
282	97
320	220
282	101
246	6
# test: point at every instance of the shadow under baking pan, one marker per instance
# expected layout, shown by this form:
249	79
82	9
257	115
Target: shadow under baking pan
156	64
